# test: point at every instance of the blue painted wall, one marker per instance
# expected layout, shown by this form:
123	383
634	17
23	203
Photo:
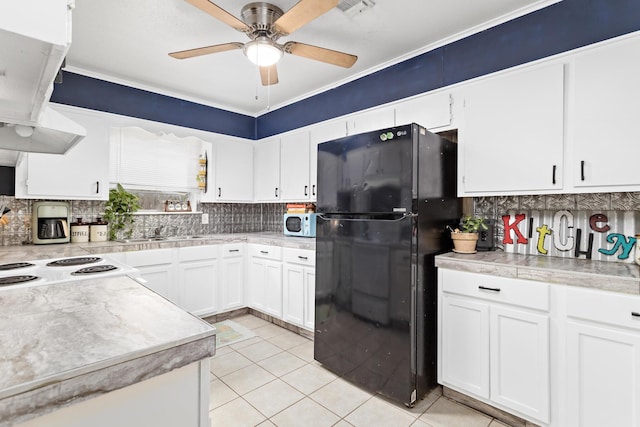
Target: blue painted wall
558	28
94	94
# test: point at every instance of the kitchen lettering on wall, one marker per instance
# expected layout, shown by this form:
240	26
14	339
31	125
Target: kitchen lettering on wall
606	236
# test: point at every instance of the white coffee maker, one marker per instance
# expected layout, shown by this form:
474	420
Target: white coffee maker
50	222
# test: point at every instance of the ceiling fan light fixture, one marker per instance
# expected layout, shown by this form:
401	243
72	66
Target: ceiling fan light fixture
263	52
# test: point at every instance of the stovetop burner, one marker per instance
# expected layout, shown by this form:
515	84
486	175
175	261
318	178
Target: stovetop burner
94	269
14	280
68	262
15	265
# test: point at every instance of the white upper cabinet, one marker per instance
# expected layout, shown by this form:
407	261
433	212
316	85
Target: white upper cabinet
327	131
294	166
430	111
511	138
379	118
603	137
266	158
81	173
234	171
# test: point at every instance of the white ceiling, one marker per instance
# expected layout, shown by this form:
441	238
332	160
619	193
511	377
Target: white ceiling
127	42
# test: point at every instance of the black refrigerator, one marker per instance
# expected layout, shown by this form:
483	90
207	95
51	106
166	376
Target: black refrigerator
384	200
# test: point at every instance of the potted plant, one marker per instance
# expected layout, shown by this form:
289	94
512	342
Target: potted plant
466	237
119	211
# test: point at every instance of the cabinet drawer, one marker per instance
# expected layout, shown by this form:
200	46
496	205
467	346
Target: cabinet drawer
150	257
299	256
265	251
196	253
524	293
233	250
604	307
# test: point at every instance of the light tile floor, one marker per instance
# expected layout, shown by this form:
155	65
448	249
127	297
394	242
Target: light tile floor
272	380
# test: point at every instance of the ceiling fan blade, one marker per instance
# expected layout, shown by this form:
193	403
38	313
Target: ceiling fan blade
269	75
302	13
321	54
219	13
206	50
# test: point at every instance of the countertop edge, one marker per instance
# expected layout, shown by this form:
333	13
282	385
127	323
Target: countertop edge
614	277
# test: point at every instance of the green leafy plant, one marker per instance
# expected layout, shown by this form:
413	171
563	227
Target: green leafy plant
119	211
472	224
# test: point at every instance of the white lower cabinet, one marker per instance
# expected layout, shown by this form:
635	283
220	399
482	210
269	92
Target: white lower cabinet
156	267
494	341
197	278
265	278
232	276
299	279
603	358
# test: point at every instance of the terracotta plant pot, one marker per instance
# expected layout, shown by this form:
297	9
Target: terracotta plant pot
464	243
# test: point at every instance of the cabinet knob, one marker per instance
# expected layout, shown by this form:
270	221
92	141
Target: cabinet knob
582	170
264	252
635	314
219	191
234	250
553	178
306	190
303	257
97	187
313	190
276	191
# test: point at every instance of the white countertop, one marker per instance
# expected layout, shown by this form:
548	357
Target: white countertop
611	276
33	252
70	341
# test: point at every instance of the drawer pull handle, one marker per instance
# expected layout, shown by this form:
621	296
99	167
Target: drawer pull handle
485	288
234	250
635	314
264	252
303	257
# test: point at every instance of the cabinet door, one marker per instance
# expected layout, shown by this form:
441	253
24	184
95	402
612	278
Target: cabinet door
603	372
198	286
309	298
234	171
266	184
379	118
465	345
430	111
294	167
266	286
293	294
520	361
81	173
157	269
232	295
603	134
511	138
319	134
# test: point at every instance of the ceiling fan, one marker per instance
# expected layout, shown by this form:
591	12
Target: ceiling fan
264	24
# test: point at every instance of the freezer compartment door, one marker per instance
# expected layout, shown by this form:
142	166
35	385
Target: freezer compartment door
365	303
367	173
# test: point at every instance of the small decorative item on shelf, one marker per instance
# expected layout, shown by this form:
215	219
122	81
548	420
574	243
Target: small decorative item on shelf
465	239
177	206
203	162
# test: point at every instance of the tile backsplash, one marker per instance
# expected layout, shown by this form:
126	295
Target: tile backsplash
615	205
223	218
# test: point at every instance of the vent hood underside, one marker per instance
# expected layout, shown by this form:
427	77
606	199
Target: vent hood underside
54	134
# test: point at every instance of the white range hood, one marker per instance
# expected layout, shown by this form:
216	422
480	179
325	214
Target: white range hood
53	134
35	36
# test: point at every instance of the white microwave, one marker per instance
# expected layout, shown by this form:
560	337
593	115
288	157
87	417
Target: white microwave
302	224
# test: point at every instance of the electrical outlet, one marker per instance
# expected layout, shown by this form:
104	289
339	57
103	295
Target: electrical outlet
205	218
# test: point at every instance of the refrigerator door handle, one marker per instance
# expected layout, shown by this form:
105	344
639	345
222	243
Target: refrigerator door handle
328	217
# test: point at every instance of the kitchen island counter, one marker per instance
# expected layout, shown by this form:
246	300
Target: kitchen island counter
604	275
69	342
